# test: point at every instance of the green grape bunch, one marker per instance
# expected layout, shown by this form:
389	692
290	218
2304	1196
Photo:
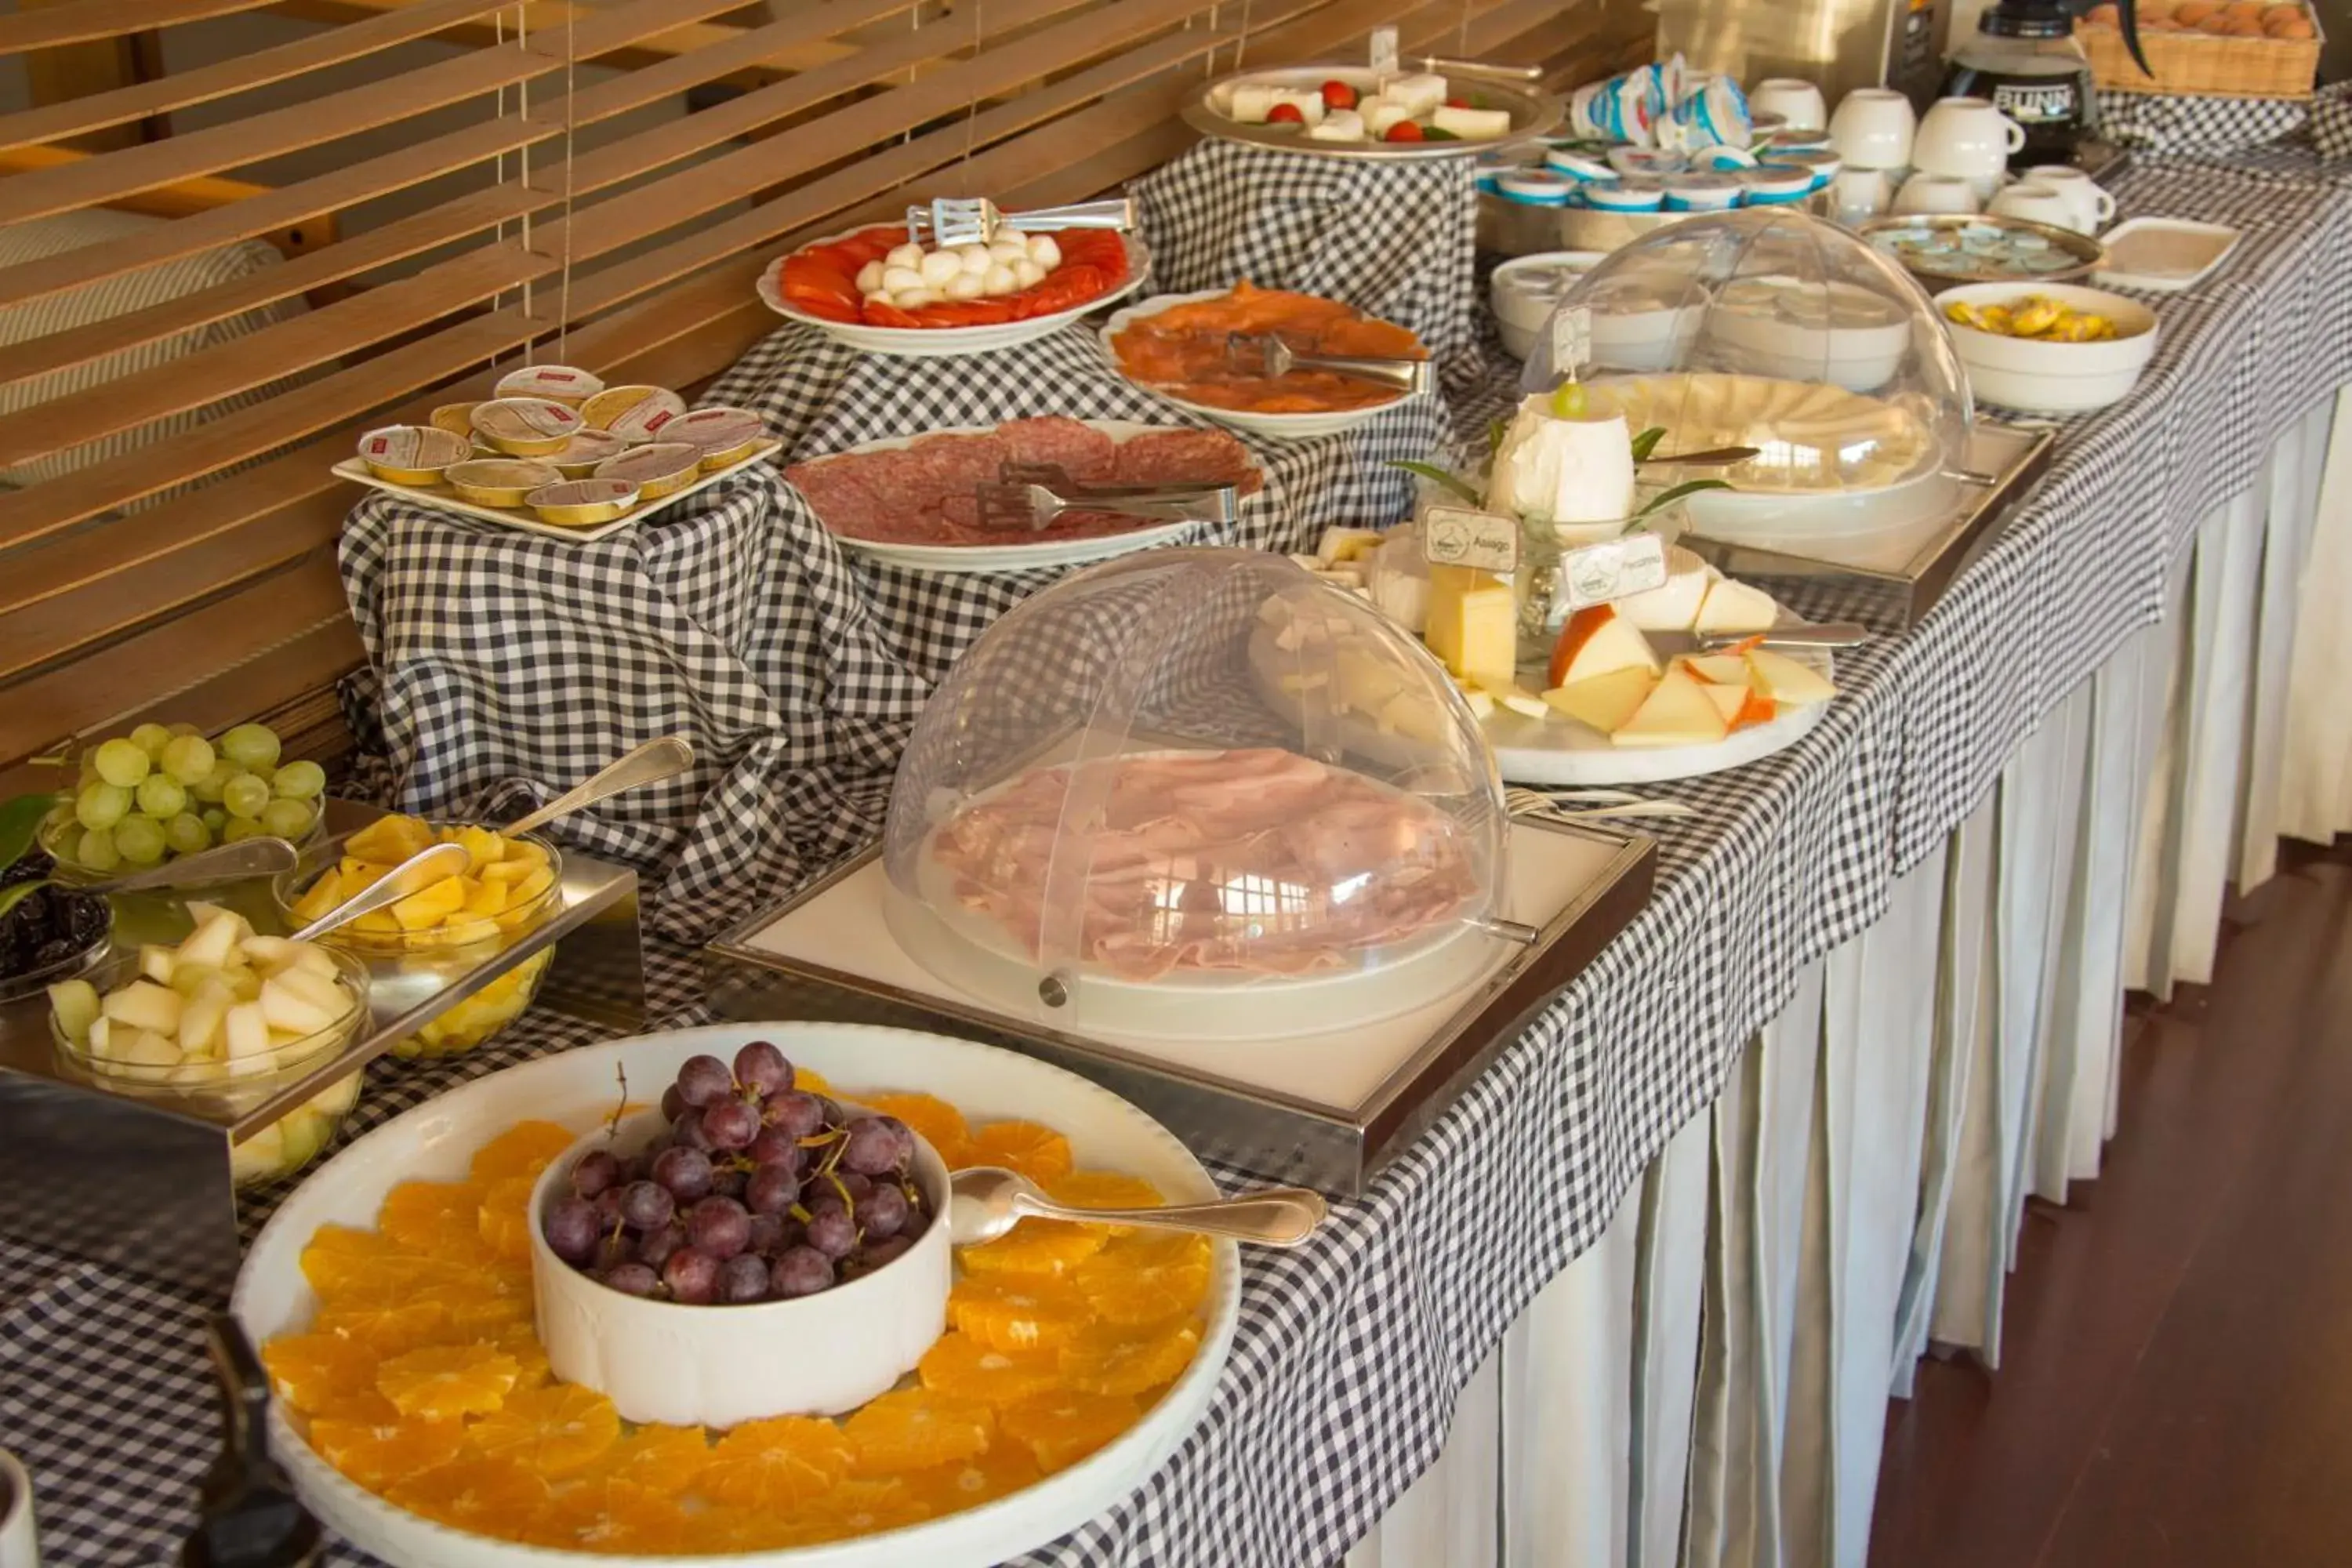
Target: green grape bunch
163	791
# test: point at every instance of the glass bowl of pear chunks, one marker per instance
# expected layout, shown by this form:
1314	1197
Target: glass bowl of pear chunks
225	1020
511	884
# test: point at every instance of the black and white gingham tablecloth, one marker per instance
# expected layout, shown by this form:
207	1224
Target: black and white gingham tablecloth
1350	1350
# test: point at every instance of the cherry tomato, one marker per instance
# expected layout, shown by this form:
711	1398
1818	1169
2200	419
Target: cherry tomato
1339	95
1405	130
1286	114
1457	104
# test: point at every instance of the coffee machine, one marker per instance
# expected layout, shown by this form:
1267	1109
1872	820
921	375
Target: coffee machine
1840	44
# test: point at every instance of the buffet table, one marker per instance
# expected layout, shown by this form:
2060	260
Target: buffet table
1530	1275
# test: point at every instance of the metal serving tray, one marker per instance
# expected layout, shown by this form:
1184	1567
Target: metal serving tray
1327	1111
143	1184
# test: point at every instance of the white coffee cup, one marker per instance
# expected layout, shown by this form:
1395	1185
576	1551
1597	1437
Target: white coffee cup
1798	102
1937	193
1872	128
2095	205
1968	137
18	1549
2036	204
1855	195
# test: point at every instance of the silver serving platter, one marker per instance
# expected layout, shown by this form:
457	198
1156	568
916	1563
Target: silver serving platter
1532	114
2087	254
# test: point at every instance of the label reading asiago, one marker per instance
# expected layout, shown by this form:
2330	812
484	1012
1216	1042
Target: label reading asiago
1611	569
1459	536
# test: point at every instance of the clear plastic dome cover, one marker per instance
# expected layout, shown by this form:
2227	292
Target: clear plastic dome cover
1196	792
1774	329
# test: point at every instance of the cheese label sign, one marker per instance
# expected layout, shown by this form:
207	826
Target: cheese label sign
1459	536
1613	569
1384	51
1571	340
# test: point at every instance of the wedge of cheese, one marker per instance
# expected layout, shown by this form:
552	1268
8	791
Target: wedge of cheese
1472	625
1722	669
1595	641
1674	605
1339	546
1677	712
1606	701
1729	700
1786	681
1734	607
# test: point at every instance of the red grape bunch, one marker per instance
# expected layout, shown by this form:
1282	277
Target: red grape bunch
756	1192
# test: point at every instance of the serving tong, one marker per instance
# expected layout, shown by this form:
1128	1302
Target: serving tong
250	1516
976	220
1265	355
1028	497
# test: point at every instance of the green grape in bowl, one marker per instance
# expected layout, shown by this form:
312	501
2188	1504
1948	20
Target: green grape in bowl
165	790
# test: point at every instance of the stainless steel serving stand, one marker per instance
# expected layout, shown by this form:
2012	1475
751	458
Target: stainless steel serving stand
142	1182
1889	590
1336	1139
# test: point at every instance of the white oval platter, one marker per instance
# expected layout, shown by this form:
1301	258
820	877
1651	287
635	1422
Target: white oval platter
1280	427
945	343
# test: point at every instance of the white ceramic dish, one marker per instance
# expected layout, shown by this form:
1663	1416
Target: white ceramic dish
945	343
954	558
1558	752
437	1140
2034	377
1522	304
1532	114
716	1366
351	469
1279	426
2203	246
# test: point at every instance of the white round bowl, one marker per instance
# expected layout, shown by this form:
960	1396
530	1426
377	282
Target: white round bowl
944	343
2035	377
1279	426
1519	313
716	1366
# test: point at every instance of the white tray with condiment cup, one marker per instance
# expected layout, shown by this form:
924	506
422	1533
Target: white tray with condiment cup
437	1142
944	343
1532	114
1013	555
1278	426
356	471
2207	245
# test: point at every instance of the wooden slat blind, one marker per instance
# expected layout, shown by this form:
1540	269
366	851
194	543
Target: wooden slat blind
639	257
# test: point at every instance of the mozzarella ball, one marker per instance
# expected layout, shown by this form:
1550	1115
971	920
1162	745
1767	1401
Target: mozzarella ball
1001	279
974	258
939	267
870	278
895	278
908	256
880	296
1008	247
965	286
1044	251
1029	272
914	299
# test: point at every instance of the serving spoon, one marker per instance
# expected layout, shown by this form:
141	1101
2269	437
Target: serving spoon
989	1200
658	759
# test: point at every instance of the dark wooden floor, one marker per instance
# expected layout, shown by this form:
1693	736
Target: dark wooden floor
2176	1380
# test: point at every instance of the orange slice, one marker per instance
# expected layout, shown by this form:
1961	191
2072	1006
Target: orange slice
1136	1247
311	1372
426	1216
550	1431
379	1454
1038	1153
445	1381
341	1274
1104	1190
386	1329
961	1366
1034	1246
917	1428
859	1506
521	1341
369	1409
776	1464
1004	1469
809	1081
1017	1311
1136	1295
523	1150
936	1122
1061	1428
483	1305
495	1496
613	1515
331	1239
504	1217
669	1460
1113	1362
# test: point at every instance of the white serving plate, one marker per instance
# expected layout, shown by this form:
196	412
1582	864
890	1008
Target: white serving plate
944	343
2033	377
1560	753
2220	239
1279	426
521	517
1520	314
955	558
437	1142
1532	114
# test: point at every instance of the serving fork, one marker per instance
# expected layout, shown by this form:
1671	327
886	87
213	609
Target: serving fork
1029	497
976	220
1535	803
1269	356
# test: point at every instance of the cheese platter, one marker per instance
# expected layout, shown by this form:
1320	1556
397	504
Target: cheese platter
1359	112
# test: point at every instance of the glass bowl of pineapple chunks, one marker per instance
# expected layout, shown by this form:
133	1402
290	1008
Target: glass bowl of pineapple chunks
511	885
225	1019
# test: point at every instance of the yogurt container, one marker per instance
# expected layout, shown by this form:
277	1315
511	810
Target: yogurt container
412	453
1626	195
1822	163
632	413
457	418
1581	167
526	427
1646	162
658	469
1771	147
582	503
1701	193
578	458
1774	185
723	436
1723	159
1715	115
1536	187
556	383
499	481
1490	166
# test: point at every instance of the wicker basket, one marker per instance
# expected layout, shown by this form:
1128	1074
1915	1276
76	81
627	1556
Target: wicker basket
2202	65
